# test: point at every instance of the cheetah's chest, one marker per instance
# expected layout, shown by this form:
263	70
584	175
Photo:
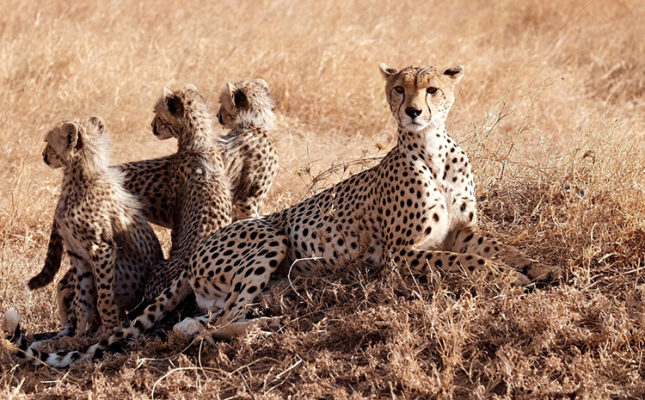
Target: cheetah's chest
71	240
435	204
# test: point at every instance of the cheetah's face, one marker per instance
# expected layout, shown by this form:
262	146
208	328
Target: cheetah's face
62	144
170	120
66	141
50	157
420	97
243	97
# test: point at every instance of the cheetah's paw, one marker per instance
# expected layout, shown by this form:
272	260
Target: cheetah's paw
188	328
542	273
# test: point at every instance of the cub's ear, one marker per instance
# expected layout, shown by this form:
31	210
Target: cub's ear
99	123
174	103
239	99
190	88
71	133
455	73
387	71
262	83
226	96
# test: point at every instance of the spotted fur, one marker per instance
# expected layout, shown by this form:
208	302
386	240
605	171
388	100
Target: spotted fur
248	150
111	246
202	201
407	212
250	161
198	188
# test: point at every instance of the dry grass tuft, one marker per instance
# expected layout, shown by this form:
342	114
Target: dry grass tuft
550	112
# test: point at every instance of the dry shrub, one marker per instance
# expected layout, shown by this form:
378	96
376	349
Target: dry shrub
550	113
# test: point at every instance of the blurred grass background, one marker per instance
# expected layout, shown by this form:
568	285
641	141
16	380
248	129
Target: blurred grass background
551	112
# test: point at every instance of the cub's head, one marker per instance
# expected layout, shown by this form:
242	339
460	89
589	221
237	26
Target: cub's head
173	109
420	97
72	141
247	101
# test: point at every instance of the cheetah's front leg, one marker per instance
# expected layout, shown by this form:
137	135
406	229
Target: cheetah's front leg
468	241
421	261
246	208
84	303
103	257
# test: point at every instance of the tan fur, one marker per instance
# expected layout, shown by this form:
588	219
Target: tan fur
187	191
248	150
100	225
197	189
414	211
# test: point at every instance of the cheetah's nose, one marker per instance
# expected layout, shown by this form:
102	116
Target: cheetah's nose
413	112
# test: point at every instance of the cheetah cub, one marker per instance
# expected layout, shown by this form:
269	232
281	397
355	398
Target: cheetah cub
110	244
248	150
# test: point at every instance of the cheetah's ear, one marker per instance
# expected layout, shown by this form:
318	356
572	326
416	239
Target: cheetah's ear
226	96
190	88
174	103
239	99
73	135
232	96
455	73
263	84
387	71
99	123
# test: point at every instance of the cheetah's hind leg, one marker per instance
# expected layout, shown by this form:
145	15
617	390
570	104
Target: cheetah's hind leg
229	271
65	292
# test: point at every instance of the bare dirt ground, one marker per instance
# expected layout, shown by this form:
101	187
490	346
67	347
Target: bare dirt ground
551	112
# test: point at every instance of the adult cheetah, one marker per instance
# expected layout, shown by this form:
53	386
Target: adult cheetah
111	246
415	209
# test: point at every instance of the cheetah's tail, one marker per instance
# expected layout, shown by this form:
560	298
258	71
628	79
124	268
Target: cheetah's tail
12	325
116	343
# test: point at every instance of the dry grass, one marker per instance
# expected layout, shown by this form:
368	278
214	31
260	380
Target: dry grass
551	113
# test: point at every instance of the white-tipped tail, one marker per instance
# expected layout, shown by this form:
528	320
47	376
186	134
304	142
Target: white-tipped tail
11	319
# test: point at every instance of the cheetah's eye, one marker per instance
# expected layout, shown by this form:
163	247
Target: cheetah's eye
431	90
399	89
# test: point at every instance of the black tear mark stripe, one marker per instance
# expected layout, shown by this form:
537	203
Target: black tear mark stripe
401	104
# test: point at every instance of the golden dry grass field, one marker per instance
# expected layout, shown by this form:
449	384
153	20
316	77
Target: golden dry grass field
551	112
